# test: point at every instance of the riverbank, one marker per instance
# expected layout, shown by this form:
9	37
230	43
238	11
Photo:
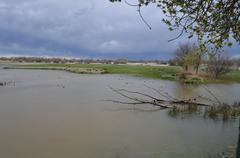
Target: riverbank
156	72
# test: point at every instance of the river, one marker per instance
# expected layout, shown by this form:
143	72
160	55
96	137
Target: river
55	114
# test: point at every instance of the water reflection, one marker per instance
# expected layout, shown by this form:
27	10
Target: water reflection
221	91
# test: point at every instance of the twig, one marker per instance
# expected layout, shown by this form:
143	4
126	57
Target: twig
144	21
164	94
143	94
133	5
211	93
139	12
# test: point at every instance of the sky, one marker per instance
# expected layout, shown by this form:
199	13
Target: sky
96	29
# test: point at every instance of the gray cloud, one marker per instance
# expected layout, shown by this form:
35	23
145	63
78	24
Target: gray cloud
90	28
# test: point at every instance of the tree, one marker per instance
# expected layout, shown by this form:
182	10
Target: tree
198	55
182	53
218	65
237	63
189	54
212	21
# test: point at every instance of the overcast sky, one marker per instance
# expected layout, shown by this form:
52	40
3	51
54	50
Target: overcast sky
84	28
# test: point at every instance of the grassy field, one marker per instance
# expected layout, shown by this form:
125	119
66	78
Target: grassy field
157	72
234	75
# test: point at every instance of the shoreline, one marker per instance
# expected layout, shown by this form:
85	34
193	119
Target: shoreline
152	72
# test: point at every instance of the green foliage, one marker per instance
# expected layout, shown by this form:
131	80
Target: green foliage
212	21
193	80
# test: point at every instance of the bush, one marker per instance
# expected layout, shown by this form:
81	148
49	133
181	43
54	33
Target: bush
193	80
218	66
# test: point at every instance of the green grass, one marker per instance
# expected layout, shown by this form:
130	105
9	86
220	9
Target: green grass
193	80
157	72
234	75
231	77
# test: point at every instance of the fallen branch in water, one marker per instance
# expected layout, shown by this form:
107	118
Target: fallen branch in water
167	102
213	107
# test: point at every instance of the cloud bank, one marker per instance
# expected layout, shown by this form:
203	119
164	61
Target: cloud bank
90	29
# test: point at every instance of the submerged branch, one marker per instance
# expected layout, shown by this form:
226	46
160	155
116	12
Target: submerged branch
168	102
213	108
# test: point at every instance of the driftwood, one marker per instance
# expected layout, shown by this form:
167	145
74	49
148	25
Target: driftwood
165	102
210	107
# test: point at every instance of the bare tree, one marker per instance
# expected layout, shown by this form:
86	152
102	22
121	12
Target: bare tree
198	57
182	52
189	54
237	63
218	65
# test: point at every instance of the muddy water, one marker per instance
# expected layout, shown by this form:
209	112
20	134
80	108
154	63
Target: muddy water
54	114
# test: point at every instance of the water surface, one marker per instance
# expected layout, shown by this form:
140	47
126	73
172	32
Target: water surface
54	114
